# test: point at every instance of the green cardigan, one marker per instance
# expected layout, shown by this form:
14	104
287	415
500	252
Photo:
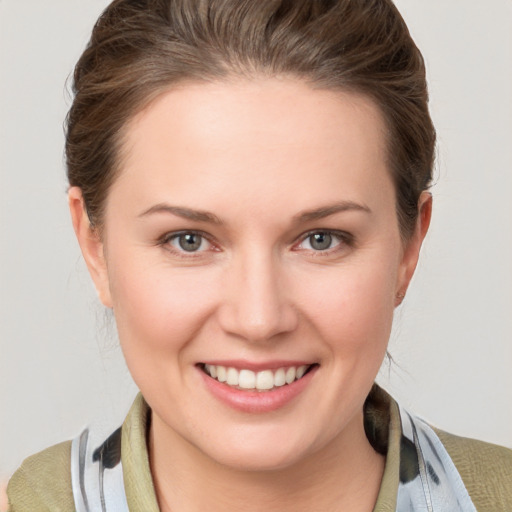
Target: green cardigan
43	482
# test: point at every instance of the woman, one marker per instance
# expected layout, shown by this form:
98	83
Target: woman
249	187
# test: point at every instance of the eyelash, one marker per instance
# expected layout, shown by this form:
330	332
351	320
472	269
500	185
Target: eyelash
166	240
344	240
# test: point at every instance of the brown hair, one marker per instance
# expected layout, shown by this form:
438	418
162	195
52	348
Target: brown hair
140	48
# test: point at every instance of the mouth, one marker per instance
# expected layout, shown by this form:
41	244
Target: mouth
261	381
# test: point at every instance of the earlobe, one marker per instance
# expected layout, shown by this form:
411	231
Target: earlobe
91	245
412	248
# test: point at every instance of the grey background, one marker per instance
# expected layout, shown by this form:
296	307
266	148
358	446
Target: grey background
60	365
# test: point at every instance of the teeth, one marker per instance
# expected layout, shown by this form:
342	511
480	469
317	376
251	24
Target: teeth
265	380
261	381
232	377
301	370
221	374
291	373
247	379
280	377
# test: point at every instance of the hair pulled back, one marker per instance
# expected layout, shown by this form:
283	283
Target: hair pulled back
140	48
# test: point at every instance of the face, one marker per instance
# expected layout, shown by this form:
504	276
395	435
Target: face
252	257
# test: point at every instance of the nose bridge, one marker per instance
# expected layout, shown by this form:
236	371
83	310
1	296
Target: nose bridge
256	306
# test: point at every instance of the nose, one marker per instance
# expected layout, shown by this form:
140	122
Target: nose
257	305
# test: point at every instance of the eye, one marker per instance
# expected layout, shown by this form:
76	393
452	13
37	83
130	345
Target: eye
320	241
188	242
323	241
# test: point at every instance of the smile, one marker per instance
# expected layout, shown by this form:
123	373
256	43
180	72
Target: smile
265	380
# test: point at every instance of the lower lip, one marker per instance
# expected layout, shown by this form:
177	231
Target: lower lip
256	401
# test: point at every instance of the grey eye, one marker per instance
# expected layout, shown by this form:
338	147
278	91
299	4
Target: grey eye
189	242
320	241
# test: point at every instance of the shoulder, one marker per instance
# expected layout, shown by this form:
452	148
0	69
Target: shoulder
485	468
43	482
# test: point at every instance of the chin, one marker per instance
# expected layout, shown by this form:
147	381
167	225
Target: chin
263	454
264	460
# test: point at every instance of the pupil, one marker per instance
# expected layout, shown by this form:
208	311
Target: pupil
190	242
321	241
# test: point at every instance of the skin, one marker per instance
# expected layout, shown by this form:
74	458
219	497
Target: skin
3	496
256	155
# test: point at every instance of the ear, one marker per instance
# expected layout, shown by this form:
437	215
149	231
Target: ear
90	244
412	247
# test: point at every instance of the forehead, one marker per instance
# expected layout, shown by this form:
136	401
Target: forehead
256	139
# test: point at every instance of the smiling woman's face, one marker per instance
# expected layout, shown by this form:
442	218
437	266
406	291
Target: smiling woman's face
252	236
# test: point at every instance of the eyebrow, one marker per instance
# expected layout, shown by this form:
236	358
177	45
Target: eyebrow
326	211
305	216
185	213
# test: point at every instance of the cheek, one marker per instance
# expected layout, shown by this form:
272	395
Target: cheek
352	307
157	308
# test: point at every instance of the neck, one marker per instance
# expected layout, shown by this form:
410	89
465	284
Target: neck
345	475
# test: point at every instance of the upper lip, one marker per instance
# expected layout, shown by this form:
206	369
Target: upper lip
241	364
